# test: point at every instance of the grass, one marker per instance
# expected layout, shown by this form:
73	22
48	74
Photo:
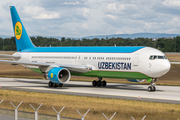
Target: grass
173	57
124	108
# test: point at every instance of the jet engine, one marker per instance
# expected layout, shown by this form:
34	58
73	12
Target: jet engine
135	80
59	75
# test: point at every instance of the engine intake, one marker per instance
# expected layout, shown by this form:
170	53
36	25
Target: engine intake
59	75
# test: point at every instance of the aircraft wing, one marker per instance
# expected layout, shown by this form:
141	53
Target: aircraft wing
9	56
45	67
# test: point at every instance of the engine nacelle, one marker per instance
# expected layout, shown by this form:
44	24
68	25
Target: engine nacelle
59	75
135	80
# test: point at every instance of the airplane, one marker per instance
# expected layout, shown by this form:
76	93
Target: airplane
135	63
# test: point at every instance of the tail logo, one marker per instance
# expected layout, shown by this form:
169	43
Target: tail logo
18	30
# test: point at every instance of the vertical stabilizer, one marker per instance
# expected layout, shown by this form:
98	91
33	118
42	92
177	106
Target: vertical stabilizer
22	39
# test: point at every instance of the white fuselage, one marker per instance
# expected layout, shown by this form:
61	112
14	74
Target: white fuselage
122	62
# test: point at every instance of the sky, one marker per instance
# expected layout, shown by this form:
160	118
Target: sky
79	18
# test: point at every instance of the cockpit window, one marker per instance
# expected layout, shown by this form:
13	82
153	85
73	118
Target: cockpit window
152	57
165	57
155	57
160	57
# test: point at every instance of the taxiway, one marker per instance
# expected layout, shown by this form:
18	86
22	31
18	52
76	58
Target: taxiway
167	94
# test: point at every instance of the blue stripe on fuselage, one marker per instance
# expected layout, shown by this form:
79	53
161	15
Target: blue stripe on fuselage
84	49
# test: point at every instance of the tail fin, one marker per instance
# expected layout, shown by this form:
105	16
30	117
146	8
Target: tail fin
22	39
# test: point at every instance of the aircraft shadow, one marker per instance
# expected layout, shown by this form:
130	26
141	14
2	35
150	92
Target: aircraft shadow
123	86
35	82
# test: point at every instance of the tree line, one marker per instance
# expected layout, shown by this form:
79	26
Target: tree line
163	44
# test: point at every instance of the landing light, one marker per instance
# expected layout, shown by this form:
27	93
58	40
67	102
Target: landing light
89	68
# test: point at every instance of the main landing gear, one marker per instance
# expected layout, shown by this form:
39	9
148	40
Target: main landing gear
51	84
99	83
152	87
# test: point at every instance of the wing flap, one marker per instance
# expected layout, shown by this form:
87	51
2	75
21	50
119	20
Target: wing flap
46	66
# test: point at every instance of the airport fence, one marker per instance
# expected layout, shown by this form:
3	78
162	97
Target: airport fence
31	115
24	115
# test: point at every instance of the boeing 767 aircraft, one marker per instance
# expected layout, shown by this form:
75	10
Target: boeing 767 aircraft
58	63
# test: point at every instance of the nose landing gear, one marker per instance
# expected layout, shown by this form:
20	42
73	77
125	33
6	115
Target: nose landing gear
99	83
152	87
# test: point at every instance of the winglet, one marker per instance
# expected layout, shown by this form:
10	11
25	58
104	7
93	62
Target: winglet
22	39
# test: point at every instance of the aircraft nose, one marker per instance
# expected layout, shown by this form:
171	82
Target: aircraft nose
165	66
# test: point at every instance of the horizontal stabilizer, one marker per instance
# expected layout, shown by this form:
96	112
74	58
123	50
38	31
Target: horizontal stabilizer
9	56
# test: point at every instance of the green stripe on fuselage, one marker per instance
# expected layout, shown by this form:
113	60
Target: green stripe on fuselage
113	74
36	70
106	74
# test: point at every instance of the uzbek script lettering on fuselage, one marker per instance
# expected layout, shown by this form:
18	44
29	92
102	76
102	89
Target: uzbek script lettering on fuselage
114	65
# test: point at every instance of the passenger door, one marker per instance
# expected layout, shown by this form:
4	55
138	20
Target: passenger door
135	60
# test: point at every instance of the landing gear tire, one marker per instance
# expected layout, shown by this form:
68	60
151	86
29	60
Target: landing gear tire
54	85
94	83
50	84
149	88
152	87
99	83
60	85
104	83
